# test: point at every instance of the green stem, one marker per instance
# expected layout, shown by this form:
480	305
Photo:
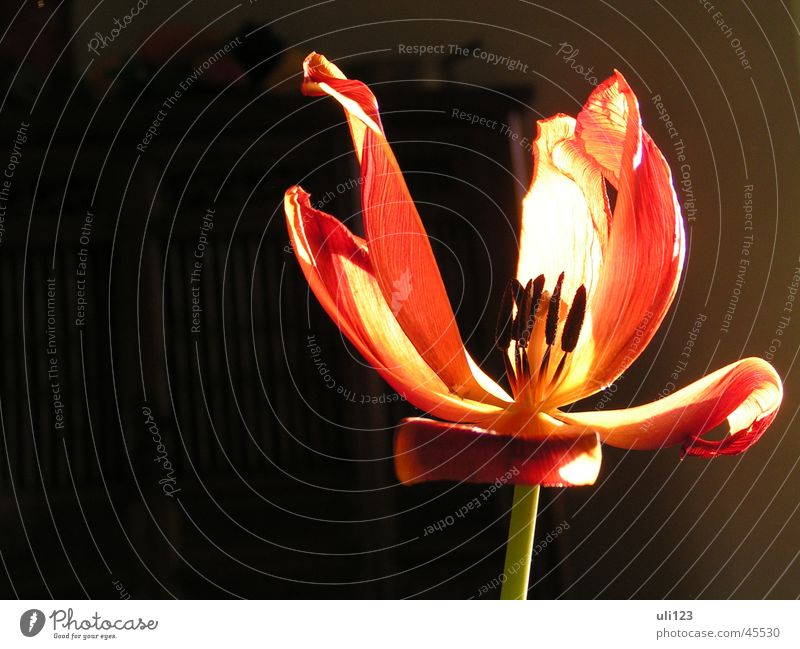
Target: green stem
520	542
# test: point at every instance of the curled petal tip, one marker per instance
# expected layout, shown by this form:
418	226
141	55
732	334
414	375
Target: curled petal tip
295	190
751	418
318	69
746	395
312	61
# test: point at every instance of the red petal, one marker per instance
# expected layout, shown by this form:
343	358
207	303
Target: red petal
644	256
427	450
338	268
401	254
746	393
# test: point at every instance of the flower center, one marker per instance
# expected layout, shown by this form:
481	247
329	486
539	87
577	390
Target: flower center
527	331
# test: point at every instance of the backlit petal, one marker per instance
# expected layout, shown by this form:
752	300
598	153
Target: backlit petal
338	268
427	450
402	259
643	258
747	394
564	214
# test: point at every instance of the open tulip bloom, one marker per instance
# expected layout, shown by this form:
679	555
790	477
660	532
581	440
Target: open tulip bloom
591	289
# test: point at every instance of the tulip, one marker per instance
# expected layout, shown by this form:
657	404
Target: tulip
592	287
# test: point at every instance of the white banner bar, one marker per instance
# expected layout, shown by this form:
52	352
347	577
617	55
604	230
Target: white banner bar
404	625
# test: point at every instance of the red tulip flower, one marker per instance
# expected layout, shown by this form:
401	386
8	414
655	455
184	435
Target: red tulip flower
591	289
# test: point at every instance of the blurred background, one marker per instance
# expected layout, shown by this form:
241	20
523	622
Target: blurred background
179	416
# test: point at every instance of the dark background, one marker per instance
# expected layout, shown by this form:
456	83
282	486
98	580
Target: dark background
282	454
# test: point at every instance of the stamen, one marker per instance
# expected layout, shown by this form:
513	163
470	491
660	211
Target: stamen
535	293
538	287
510	373
553	312
517	288
574	321
521	297
502	332
524	315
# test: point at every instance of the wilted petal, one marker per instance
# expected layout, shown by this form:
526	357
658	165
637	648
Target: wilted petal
746	393
643	257
338	268
427	450
402	259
